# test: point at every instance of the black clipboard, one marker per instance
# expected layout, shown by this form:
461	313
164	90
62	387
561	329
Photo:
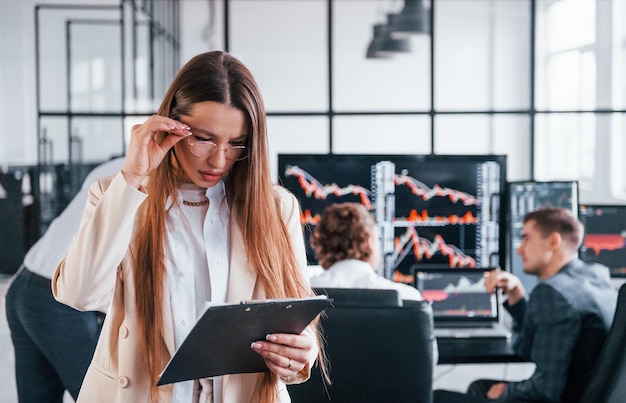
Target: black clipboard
220	341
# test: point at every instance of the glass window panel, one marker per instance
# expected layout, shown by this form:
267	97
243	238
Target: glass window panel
95	68
559	93
570	24
53	153
52	41
489	134
287	56
482	54
203	27
139	62
573	68
565	147
510	83
163	70
96	139
296	135
571	81
398	83
54	140
607	183
463	134
129	121
144	99
153	54
618	53
512	138
404	134
618	151
591	146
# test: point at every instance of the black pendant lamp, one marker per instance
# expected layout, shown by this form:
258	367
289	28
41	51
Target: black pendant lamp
413	19
383	46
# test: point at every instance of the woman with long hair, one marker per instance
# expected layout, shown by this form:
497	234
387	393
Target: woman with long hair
192	217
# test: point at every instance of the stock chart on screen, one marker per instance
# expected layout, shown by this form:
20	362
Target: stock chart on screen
439	210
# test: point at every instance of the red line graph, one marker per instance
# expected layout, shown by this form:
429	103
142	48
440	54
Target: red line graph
423	217
599	242
307	218
403	278
434	295
420	189
424	248
312	187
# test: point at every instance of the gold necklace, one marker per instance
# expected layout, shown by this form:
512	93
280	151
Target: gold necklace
196	204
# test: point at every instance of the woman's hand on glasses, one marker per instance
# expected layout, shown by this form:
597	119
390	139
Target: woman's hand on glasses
148	147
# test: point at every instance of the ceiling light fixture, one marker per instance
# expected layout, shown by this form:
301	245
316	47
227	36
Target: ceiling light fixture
413	19
383	46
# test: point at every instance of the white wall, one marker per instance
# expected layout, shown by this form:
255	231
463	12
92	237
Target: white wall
17	88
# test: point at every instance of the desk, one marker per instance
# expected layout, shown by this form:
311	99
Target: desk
476	350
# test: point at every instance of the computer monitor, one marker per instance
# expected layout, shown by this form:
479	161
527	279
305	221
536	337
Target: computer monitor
528	196
458	295
439	210
605	236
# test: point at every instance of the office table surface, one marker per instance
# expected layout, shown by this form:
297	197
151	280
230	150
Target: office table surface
476	350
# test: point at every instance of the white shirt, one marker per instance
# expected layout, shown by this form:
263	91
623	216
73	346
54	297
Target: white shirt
197	267
44	256
353	273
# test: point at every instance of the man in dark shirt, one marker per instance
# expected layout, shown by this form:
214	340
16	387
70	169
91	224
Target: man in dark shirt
562	326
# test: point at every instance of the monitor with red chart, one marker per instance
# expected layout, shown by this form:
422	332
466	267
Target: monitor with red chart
439	210
605	236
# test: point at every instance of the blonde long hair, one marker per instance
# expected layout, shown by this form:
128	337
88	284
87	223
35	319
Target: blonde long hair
218	77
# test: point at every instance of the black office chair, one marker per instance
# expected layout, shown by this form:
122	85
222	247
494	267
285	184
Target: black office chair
361	297
377	353
609	381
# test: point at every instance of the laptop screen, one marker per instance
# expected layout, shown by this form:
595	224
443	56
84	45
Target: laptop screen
457	294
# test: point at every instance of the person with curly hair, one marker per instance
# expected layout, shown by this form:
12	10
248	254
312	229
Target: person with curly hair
347	246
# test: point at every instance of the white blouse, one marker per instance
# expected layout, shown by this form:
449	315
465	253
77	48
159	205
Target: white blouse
197	266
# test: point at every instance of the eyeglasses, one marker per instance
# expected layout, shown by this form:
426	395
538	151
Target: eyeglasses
206	148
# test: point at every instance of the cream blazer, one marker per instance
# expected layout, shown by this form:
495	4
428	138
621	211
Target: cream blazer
97	272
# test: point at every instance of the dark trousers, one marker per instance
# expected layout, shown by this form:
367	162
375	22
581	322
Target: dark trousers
53	343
